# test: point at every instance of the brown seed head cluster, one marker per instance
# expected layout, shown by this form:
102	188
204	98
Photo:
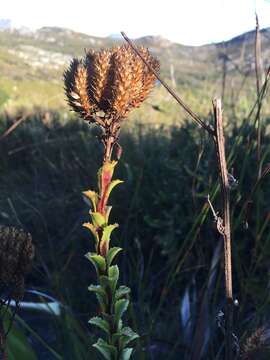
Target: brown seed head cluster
257	346
16	254
111	81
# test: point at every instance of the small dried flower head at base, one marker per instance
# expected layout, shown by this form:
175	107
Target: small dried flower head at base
16	255
257	345
106	85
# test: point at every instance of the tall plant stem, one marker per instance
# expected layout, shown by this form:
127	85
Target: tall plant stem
258	71
225	230
108	148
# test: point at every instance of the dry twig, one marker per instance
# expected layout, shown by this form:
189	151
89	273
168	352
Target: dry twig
194	116
13	127
226	233
258	71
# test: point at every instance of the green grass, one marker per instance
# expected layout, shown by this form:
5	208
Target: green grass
29	94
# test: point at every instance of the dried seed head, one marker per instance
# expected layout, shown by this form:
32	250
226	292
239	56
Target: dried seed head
16	254
112	81
121	85
76	87
98	68
149	77
257	345
138	72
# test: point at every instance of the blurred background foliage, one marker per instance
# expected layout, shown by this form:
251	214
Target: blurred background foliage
173	257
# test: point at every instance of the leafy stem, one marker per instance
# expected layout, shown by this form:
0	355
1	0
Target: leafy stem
113	299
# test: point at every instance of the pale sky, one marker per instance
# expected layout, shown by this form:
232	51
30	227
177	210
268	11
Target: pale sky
190	22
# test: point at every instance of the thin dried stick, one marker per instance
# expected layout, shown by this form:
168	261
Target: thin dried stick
226	229
13	127
258	71
259	100
223	224
194	116
258	62
223	56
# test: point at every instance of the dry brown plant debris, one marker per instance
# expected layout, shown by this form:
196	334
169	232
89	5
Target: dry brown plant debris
16	254
257	345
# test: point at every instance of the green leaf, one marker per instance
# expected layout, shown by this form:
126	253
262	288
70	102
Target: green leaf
93	197
108	351
114	272
113	277
93	230
119	308
98	219
122	291
120	325
128	335
105	174
111	280
126	354
97	289
107	230
102	302
112	186
98	261
100	323
101	296
107	213
112	254
105	239
17	346
23	325
124	336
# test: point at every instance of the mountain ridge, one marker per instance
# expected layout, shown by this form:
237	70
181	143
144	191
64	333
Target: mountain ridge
32	63
6	25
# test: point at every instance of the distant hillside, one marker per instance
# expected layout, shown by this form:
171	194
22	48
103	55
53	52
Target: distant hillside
32	64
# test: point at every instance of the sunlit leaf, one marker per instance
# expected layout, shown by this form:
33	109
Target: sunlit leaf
98	219
119	308
100	323
112	254
122	291
126	354
98	261
93	196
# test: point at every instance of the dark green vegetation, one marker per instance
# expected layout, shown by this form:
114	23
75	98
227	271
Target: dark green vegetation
172	259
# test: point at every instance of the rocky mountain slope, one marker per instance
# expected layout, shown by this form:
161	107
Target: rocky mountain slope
32	63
